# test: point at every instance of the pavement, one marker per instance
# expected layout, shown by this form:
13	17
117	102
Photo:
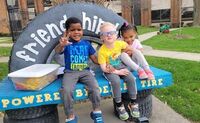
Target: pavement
161	112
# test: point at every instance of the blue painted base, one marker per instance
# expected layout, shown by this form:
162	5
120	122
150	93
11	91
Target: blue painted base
13	99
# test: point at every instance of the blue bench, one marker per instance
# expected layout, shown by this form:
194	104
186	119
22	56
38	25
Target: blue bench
13	99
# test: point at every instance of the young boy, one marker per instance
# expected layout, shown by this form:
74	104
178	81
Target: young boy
109	53
76	54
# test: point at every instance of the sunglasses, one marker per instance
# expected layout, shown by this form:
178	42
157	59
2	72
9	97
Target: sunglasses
108	33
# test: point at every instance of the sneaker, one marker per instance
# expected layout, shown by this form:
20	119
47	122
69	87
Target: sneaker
134	110
150	74
123	115
142	74
75	120
97	117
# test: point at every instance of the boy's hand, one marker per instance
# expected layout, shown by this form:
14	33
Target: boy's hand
65	40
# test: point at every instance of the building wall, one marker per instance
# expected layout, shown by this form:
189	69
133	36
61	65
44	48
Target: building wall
4	20
187	3
160	4
165	4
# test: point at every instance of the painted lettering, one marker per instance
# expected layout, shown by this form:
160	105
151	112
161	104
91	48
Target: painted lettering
30	46
148	83
38	40
56	96
39	98
105	89
86	92
47	97
151	83
28	99
5	102
143	83
100	89
16	102
94	23
22	54
125	86
98	26
62	23
154	83
160	81
86	22
52	26
43	35
79	93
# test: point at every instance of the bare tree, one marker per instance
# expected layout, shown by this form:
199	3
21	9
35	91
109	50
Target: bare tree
196	13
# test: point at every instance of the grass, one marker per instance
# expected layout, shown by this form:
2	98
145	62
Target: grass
142	29
184	95
6	40
5	51
3	70
186	40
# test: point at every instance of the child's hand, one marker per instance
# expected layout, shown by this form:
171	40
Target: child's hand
110	68
123	72
65	40
129	52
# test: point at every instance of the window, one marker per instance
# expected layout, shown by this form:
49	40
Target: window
162	15
187	13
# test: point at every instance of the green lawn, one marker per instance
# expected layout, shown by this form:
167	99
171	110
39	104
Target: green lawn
142	29
184	95
5	51
3	70
5	39
187	40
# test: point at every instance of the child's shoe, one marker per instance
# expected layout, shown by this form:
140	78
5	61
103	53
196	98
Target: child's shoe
142	74
123	115
97	117
75	120
134	110
150	74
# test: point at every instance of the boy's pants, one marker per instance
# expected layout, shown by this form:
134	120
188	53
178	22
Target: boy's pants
114	80
69	82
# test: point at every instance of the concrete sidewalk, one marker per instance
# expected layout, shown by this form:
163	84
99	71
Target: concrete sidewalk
4	59
6	45
171	54
161	113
